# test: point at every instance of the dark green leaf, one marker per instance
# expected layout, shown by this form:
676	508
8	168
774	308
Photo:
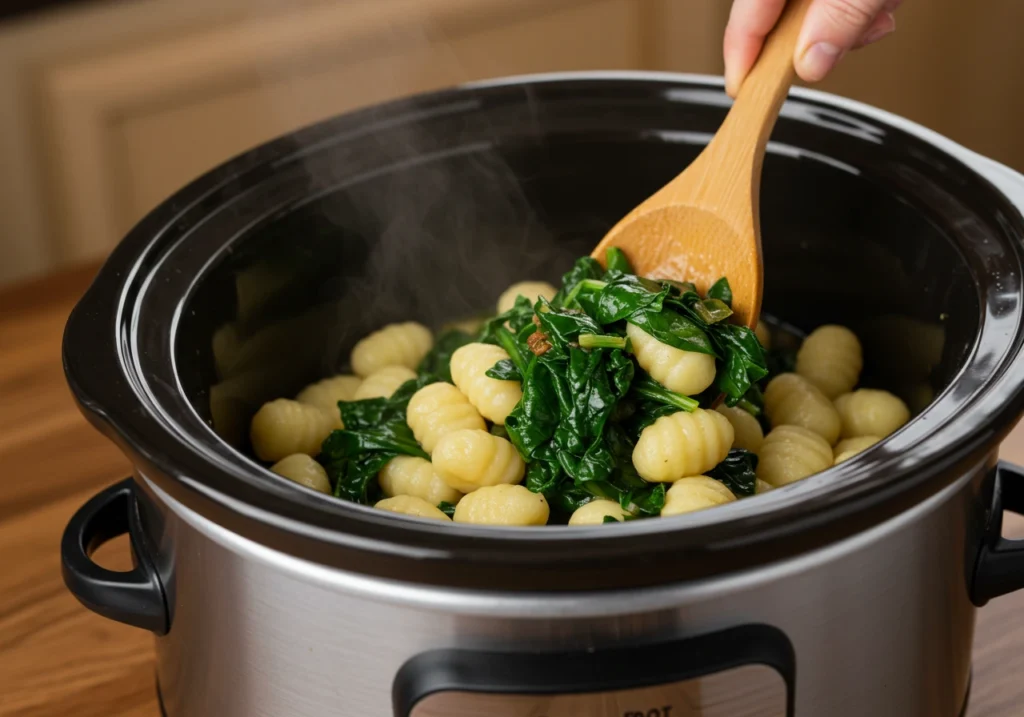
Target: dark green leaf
505	370
722	291
626	294
563	326
447	508
437	362
616	260
737	472
584	268
646	501
673	329
646	388
534	419
355	478
744	363
711	311
395	437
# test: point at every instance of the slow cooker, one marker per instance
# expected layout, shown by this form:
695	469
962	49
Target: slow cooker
850	593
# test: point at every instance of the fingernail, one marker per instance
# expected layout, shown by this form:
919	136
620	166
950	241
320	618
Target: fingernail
885	28
818	60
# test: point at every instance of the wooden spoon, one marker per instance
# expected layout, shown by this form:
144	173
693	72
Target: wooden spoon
704	224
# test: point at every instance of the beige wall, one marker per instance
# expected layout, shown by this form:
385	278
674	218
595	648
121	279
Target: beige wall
105	109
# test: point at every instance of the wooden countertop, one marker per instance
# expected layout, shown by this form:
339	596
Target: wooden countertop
57	658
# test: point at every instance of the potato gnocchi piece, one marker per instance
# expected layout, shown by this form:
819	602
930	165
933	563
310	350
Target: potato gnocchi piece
831	358
325	394
761	486
594	513
383	383
493	398
685	372
470	459
503	505
849	447
792	453
403	344
303	470
791	400
747	432
411	505
695	493
871	412
530	289
415	476
682	444
764	334
438	409
283	427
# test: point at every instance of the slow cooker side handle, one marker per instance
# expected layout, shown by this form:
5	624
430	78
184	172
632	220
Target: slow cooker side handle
135	597
1000	566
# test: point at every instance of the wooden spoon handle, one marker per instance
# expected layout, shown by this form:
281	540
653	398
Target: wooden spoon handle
760	97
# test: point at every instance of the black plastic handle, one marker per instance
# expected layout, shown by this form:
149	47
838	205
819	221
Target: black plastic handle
135	597
1000	566
612	669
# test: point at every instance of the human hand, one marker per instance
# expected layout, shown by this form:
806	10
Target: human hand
831	29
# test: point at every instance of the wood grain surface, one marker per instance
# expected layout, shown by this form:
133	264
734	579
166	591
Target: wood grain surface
57	658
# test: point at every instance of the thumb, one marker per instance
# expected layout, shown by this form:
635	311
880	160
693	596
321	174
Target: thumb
833	27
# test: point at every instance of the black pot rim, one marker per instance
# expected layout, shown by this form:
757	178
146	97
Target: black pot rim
107	378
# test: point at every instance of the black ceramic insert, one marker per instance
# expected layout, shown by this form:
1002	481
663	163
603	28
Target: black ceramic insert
261	275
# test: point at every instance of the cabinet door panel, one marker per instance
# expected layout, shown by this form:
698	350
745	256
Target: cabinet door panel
132	129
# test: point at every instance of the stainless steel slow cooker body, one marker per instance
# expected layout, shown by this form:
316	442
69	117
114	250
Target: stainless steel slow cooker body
852	592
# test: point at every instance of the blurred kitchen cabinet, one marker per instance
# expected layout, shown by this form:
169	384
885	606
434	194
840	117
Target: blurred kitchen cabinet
108	107
119	127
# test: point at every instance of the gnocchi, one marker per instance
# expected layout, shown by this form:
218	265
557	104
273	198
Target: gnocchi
493	398
695	493
503	504
685	372
747	431
411	505
530	289
831	358
871	412
682	444
283	427
469	459
791	400
383	383
595	512
325	394
764	334
402	344
849	447
438	409
415	476
792	453
303	470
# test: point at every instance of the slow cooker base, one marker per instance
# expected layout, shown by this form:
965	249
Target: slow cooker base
962	713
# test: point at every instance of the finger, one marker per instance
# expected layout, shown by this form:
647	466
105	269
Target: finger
749	22
832	27
883	25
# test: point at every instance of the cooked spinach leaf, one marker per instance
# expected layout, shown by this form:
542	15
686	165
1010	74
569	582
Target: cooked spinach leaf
447	508
616	260
671	328
737	472
438	360
375	432
722	291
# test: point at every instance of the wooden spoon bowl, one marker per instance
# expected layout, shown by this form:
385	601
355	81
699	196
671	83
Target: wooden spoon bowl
705	223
